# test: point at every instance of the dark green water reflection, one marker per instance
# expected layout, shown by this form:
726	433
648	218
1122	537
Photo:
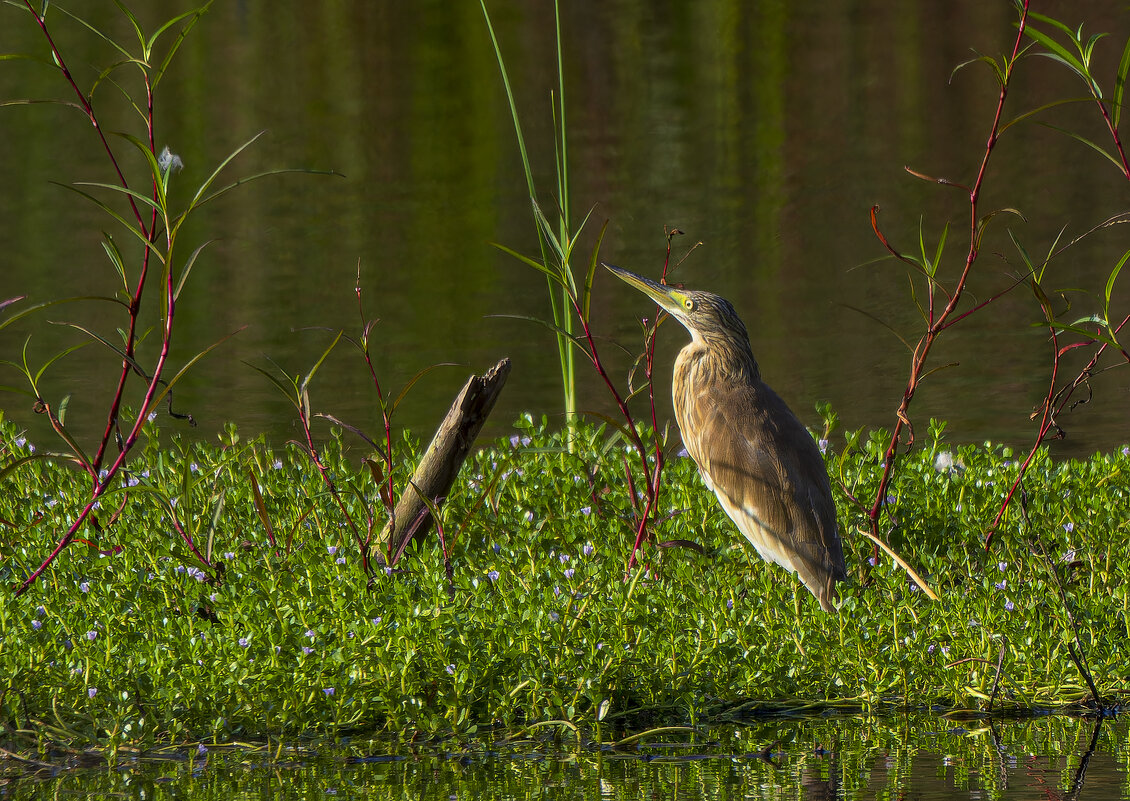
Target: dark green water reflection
921	757
765	130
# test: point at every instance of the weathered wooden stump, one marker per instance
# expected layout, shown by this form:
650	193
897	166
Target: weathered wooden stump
445	455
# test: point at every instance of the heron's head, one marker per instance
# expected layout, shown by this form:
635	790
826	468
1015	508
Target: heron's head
710	319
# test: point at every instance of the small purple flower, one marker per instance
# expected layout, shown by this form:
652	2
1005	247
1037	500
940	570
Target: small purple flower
450	670
529	517
1068	526
244	642
569	573
85	586
556	591
682	453
563	558
554	617
1009	605
376	621
229	555
823	445
729	603
873	561
92	635
496	548
329	691
388	570
493	576
201	750
588	549
194	467
586	510
37	624
278	464
310	633
41	610
1000	585
913	587
1126	450
331	549
930	650
91	692
1002	566
340	560
306	649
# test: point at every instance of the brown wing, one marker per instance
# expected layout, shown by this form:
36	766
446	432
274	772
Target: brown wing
769	476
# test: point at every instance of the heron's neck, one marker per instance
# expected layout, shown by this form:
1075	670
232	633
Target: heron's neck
720	358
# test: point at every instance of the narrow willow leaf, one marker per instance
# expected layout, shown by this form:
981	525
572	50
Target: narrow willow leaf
304	385
184	368
1114	276
109	40
412	382
586	297
188	268
541	268
1120	84
1088	143
60	355
131	227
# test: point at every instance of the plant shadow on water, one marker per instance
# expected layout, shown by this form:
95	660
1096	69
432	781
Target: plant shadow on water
846	757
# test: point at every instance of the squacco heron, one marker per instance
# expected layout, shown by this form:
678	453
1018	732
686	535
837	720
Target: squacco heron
750	448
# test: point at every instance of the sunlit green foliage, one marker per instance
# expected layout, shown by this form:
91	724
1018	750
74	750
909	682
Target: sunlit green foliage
147	643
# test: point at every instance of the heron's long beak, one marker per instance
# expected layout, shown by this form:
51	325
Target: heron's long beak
669	298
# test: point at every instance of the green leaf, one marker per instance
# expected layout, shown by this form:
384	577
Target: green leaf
412	382
586	297
184	368
1088	143
541	268
196	13
145	199
290	391
1114	275
1120	84
997	71
188	268
99	338
110	41
131	227
48	304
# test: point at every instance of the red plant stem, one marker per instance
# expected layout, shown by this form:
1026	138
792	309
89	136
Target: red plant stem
937	323
1049	416
323	471
633	433
148	231
101	482
1114	136
387	421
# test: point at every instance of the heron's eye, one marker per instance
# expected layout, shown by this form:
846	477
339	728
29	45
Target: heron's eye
689	304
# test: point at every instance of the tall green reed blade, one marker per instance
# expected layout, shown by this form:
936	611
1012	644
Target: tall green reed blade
560	298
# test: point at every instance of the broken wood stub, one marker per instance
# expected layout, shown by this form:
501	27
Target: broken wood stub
441	463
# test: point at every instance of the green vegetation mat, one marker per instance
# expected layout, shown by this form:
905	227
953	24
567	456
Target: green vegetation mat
130	638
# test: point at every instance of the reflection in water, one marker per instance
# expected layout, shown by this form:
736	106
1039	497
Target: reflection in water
917	757
766	130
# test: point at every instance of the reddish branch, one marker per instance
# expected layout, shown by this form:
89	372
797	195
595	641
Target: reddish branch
101	479
939	321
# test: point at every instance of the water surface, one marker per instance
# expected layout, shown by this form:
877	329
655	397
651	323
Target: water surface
843	757
764	130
